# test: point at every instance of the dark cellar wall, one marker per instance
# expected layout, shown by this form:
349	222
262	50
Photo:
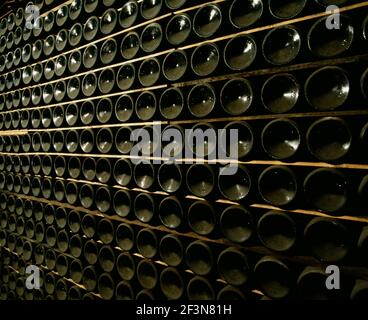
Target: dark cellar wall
75	203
